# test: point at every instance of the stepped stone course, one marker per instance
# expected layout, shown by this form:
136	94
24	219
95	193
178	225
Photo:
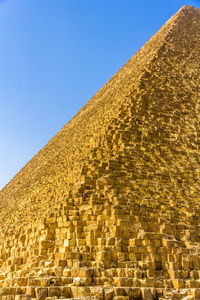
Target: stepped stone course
109	208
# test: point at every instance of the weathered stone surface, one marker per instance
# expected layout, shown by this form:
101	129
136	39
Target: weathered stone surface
41	293
108	294
109	208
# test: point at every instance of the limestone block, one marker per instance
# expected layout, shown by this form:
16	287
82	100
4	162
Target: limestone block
196	293
77	281
121	272
41	293
54	291
97	291
66	292
108	294
129	273
133	293
8	297
22	281
178	283
147	294
67	272
69	242
8	291
32	281
81	242
119	291
30	291
80	291
67	280
136	282
60	263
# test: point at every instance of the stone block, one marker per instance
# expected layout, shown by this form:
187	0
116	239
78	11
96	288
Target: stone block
54	291
108	294
146	294
41	293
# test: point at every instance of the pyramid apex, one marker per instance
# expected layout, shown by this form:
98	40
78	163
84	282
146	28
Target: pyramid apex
188	8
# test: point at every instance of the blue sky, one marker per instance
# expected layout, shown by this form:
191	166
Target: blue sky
55	55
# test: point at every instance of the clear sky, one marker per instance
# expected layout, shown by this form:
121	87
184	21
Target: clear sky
55	55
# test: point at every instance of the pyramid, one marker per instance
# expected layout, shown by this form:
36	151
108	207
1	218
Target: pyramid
109	208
